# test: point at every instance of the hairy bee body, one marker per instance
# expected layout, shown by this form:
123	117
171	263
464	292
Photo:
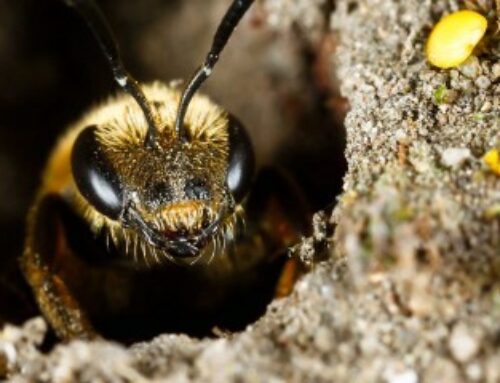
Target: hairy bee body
139	225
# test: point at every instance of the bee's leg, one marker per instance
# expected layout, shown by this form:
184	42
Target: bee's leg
282	217
291	271
46	250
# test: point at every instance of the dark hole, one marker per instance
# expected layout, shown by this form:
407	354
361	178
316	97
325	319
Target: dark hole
169	302
315	155
422	257
352	6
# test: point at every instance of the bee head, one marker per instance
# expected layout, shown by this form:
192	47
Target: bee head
176	195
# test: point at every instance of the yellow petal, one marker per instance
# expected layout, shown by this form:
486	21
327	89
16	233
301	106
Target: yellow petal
492	159
454	37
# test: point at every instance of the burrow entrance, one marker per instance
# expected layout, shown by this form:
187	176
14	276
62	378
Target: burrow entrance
312	152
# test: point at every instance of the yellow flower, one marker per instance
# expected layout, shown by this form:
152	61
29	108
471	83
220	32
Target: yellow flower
454	37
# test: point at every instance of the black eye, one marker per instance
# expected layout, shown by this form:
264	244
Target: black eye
196	188
94	176
241	164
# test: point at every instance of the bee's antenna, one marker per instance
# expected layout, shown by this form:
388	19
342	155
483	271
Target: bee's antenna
226	27
97	23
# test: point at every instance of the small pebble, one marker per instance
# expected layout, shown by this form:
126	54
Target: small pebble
496	71
474	371
463	343
483	82
454	157
407	376
487	106
323	339
471	67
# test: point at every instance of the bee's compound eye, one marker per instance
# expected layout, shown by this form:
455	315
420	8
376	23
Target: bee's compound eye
94	176
241	164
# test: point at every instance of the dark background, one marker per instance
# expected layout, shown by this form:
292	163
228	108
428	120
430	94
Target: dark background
51	71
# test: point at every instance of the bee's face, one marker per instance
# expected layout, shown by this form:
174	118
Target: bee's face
177	195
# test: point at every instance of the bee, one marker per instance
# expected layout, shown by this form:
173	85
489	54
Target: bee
150	209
